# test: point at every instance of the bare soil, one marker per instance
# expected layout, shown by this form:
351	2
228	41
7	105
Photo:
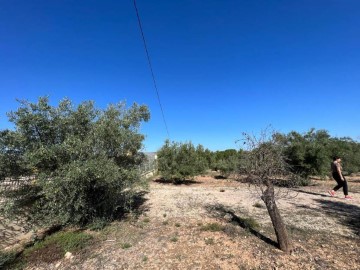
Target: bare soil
169	230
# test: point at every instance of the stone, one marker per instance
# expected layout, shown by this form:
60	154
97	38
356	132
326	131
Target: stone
69	256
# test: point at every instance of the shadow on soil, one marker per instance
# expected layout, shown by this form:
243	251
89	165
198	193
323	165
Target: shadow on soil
220	211
311	193
347	214
137	206
177	182
355	181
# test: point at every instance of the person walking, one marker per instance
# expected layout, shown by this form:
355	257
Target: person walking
336	170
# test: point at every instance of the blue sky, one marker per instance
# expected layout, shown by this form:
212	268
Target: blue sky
222	67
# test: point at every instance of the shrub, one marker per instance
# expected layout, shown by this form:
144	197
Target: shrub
85	160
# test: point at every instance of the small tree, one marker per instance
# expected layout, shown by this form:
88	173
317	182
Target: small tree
264	164
179	161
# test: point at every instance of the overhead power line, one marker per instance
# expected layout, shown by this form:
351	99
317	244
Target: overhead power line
151	69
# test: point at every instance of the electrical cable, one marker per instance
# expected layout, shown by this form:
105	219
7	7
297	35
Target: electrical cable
150	66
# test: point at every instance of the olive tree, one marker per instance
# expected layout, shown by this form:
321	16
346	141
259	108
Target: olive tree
84	160
179	161
264	164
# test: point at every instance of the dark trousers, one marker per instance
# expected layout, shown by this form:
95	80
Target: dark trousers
340	183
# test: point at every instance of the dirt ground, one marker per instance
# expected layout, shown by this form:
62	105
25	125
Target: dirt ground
213	223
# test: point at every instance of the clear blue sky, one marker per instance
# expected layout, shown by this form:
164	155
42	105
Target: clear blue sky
222	67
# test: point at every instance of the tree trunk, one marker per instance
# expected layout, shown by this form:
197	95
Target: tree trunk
278	224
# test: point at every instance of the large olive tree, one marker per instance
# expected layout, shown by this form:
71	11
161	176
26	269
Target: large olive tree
84	159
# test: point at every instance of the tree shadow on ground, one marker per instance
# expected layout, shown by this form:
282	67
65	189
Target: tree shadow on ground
354	181
347	214
220	211
137	206
220	177
311	193
176	182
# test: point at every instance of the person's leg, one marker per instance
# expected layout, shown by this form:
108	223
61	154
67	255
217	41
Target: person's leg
345	188
338	180
338	186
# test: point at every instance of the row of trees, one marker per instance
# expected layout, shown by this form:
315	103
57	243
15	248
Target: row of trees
307	154
178	161
310	153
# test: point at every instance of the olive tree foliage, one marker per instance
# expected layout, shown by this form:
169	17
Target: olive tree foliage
84	159
181	161
226	162
264	164
349	151
310	154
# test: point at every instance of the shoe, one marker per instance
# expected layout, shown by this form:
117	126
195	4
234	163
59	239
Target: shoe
348	197
332	193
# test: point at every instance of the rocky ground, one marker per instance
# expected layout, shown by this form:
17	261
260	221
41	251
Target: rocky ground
213	223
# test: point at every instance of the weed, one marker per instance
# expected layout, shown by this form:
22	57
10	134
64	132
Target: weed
213	227
231	230
140	225
174	239
209	241
299	232
250	223
125	245
6	258
98	225
55	246
68	241
145	259
164	215
258	205
165	222
146	220
177	225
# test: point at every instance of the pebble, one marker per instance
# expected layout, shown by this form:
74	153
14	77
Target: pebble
69	256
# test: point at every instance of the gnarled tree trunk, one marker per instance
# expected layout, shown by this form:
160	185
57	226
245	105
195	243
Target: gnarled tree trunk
278	224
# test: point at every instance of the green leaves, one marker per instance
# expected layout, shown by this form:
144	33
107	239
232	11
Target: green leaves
179	161
311	153
84	158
